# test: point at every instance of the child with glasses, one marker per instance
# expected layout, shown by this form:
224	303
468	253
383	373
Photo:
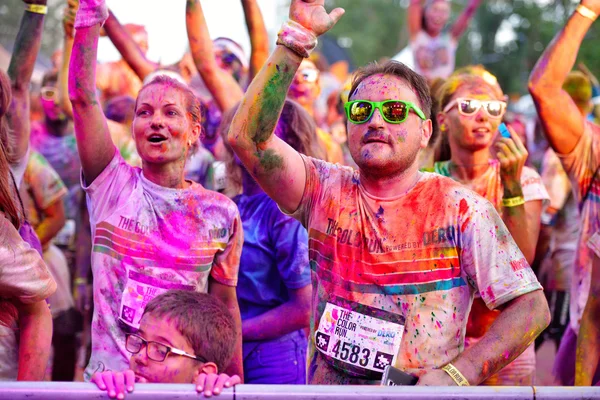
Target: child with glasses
184	337
493	166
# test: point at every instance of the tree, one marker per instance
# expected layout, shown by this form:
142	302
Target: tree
11	12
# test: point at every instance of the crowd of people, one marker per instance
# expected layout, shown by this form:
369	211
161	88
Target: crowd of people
262	219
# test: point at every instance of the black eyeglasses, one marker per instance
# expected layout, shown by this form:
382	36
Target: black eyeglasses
154	350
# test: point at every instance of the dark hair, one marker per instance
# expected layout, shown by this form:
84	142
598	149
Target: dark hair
50	76
8	203
120	109
202	319
192	102
295	126
416	82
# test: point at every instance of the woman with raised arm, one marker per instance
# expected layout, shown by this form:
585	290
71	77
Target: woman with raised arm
151	229
433	46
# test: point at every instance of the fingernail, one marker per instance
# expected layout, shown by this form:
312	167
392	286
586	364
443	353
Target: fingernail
112	394
217	391
226	384
199	388
130	388
120	396
208	393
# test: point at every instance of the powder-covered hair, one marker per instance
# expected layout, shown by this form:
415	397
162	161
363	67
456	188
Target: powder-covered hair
416	82
472	75
202	319
192	102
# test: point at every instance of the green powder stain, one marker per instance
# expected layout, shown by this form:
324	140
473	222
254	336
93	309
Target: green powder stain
270	103
269	160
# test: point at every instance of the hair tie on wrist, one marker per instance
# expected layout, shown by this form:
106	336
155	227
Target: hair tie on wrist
36	8
297	38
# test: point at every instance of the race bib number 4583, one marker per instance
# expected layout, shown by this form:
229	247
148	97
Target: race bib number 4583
359	341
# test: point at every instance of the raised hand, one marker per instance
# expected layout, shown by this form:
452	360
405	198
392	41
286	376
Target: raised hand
512	155
312	15
69	16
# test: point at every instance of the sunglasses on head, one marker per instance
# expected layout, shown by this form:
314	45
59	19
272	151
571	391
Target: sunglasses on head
392	111
469	107
309	75
48	92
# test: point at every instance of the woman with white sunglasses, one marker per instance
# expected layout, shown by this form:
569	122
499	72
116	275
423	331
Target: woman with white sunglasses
490	159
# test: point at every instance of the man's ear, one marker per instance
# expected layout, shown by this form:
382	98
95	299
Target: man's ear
426	132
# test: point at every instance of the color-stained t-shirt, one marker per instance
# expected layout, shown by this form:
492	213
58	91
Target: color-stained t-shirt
394	279
489	184
146	240
434	56
24	277
61	153
40	188
563	216
274	257
581	166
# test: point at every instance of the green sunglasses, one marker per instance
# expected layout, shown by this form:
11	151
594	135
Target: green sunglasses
392	111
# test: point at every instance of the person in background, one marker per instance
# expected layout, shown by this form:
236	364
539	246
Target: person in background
42	193
274	289
25	283
576	141
434	47
472	105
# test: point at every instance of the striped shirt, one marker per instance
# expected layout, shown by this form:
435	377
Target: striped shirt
415	260
146	240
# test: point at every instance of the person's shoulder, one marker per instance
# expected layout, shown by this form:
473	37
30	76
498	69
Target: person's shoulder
213	199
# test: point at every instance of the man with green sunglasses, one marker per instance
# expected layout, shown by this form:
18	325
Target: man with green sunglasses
396	254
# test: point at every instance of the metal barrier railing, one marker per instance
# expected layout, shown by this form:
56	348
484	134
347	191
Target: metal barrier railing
78	390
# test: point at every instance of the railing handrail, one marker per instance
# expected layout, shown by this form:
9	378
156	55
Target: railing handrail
80	390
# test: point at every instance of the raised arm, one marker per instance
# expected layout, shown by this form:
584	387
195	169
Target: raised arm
63	73
222	86
20	69
560	117
522	220
259	38
129	50
96	148
415	17
273	163
463	21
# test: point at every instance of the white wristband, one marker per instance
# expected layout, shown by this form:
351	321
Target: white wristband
297	38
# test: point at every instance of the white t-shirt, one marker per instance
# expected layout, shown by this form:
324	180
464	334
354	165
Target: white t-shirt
23	276
434	57
148	239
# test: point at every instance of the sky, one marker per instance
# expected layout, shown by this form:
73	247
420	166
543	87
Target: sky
165	23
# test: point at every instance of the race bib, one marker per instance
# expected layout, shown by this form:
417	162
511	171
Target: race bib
360	344
138	291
